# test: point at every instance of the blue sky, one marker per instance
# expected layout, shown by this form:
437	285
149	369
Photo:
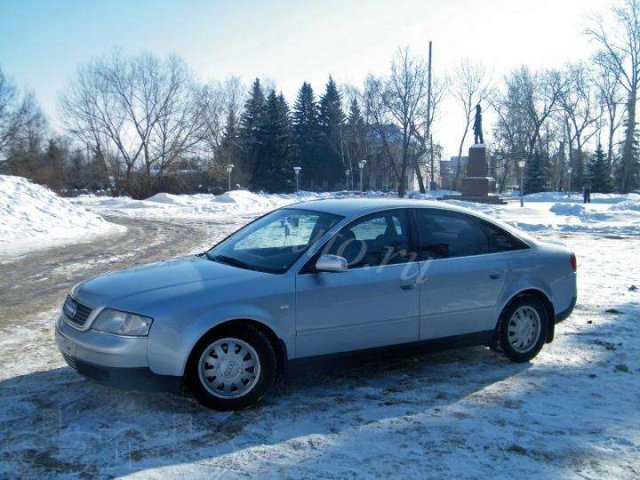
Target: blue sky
42	42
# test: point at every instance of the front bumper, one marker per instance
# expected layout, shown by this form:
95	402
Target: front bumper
110	359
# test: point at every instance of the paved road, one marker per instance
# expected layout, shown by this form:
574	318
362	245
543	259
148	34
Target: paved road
39	281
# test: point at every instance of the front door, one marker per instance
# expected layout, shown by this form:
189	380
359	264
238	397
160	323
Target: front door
374	303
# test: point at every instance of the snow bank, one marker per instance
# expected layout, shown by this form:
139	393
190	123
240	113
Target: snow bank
633	205
574	209
199	206
577	197
34	217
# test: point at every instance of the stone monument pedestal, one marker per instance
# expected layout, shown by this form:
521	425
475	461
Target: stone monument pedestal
477	186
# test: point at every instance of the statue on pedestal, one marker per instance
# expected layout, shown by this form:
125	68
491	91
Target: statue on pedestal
477	185
477	126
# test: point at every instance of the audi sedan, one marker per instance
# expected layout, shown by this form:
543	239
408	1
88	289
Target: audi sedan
316	279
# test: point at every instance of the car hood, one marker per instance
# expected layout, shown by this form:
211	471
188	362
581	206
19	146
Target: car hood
152	282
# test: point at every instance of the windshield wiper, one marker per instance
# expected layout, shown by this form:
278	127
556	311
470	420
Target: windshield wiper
231	261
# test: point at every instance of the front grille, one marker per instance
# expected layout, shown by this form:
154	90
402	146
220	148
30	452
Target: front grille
76	312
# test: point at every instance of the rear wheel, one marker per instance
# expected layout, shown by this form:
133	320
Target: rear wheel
232	369
523	328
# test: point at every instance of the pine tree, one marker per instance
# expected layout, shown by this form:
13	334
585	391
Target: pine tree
306	140
331	129
251	128
355	136
535	175
598	173
230	149
273	171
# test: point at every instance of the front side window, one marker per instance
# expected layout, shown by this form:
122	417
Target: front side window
443	234
274	242
379	239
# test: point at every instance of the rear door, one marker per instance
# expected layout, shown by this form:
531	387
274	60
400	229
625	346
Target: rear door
461	277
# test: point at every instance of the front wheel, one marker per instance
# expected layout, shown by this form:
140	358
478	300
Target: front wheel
232	369
523	328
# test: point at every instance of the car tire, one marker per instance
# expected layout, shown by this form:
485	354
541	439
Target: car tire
523	328
232	368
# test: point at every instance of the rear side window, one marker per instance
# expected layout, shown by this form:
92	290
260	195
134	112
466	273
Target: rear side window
444	234
501	240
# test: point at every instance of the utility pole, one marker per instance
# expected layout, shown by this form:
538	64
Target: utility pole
432	183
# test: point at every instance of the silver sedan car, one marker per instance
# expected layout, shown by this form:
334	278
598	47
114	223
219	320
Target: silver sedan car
317	279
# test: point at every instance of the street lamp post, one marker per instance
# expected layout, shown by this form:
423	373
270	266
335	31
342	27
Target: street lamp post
229	170
347	172
521	164
361	164
297	172
569	171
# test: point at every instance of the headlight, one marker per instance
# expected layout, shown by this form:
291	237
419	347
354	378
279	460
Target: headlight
122	323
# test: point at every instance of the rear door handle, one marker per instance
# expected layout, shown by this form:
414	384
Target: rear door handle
408	285
495	275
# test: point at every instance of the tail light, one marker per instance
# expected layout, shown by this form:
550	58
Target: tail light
574	263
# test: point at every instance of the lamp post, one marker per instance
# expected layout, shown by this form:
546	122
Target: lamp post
229	170
361	164
569	171
297	172
347	172
521	164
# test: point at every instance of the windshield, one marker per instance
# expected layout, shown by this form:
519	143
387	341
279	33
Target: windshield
274	242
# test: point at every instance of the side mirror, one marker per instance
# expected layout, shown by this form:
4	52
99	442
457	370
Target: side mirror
331	263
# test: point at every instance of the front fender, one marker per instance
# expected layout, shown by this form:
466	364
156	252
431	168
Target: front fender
171	342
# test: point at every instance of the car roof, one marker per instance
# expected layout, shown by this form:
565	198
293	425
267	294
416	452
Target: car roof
350	207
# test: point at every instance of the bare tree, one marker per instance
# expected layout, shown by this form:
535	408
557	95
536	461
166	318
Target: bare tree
525	105
20	115
422	130
85	111
223	103
180	128
619	39
135	110
511	131
376	117
404	95
470	87
579	114
611	98
533	98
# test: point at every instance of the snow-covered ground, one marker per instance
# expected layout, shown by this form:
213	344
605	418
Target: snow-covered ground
571	413
34	217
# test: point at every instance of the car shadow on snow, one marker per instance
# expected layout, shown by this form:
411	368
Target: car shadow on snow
56	422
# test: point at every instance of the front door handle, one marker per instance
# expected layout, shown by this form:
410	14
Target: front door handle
495	275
